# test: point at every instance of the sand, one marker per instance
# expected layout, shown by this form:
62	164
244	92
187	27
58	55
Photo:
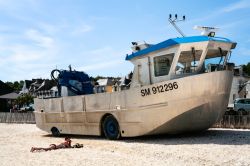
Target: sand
212	147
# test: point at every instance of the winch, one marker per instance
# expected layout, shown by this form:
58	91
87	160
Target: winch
72	83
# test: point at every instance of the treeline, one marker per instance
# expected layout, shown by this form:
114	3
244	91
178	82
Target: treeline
17	86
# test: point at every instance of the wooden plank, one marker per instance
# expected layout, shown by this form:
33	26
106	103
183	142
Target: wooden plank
6	117
234	121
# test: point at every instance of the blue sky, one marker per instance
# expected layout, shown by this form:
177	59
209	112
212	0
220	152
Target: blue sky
37	36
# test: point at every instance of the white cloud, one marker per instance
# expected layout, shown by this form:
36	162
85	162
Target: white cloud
14	8
103	61
243	4
102	51
102	65
82	29
31	58
39	38
214	14
103	54
27	64
38	52
50	29
101	18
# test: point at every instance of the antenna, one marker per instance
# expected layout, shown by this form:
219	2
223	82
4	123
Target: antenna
174	20
207	31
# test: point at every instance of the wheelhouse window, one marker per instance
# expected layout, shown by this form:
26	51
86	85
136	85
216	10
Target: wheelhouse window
188	61
215	60
162	64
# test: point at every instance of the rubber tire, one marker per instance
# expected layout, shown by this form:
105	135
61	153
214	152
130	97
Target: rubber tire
55	132
111	128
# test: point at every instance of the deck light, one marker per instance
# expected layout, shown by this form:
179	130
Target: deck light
134	43
173	21
211	34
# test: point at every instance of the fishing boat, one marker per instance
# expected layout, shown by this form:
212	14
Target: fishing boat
178	85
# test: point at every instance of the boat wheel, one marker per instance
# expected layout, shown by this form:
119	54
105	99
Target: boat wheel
55	132
111	128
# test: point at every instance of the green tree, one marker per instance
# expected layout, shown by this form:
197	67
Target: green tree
17	86
10	84
21	84
25	99
246	69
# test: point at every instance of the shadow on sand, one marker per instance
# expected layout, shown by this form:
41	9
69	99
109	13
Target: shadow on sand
212	136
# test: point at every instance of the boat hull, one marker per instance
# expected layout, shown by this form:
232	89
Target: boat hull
192	103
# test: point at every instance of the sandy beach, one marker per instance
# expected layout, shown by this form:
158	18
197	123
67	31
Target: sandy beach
212	147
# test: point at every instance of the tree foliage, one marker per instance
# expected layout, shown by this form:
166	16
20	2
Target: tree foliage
25	99
246	69
17	86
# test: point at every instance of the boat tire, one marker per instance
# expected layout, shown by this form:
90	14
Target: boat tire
111	128
55	132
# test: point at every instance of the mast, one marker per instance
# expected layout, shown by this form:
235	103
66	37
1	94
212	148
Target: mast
173	21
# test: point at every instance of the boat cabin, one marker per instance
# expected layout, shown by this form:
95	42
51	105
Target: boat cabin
178	57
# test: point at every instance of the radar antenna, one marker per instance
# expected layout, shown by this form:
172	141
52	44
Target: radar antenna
174	20
207	31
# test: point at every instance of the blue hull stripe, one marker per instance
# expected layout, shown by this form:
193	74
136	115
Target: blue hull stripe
175	41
